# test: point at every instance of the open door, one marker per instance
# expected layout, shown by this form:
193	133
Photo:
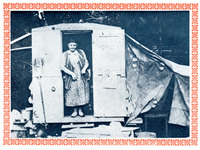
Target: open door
84	42
109	73
46	81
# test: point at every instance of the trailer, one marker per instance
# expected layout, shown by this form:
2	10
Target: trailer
127	79
105	50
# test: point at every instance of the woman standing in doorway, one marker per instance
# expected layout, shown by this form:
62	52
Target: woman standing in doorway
74	64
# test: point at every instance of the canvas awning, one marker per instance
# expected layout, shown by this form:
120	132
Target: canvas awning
148	77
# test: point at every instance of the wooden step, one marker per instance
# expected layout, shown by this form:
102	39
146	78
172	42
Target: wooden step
135	121
102	131
88	119
68	126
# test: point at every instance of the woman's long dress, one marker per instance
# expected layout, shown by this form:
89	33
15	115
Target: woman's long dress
78	94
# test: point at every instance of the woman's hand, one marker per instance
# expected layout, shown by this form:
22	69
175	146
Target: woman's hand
74	77
83	71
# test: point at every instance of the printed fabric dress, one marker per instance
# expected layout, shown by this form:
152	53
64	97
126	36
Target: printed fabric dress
77	93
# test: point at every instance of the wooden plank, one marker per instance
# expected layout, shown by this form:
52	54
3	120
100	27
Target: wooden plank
87	118
86	136
96	135
100	132
77	125
129	128
136	121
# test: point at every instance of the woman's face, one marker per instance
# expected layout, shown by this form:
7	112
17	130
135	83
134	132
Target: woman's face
72	46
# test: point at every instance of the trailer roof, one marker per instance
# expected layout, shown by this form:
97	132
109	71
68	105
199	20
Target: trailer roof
76	26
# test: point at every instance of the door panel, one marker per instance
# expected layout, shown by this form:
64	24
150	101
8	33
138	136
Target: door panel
46	52
52	93
110	101
109	73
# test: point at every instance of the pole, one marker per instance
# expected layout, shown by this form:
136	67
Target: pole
20	38
21	48
42	99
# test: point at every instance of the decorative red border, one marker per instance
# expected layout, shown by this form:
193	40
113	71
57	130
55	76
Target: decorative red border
192	7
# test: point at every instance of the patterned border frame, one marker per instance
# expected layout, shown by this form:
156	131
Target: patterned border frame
192	7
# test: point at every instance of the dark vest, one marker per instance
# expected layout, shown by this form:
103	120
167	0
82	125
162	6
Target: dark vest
68	64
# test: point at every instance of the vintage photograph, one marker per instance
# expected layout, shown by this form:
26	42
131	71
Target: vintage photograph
100	74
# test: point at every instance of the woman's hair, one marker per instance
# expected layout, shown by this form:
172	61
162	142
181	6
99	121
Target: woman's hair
72	41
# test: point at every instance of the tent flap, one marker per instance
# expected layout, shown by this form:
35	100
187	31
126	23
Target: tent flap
180	108
147	79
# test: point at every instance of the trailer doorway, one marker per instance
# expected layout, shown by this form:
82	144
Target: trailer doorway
84	42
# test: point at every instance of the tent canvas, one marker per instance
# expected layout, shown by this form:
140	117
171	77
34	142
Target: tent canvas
148	77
